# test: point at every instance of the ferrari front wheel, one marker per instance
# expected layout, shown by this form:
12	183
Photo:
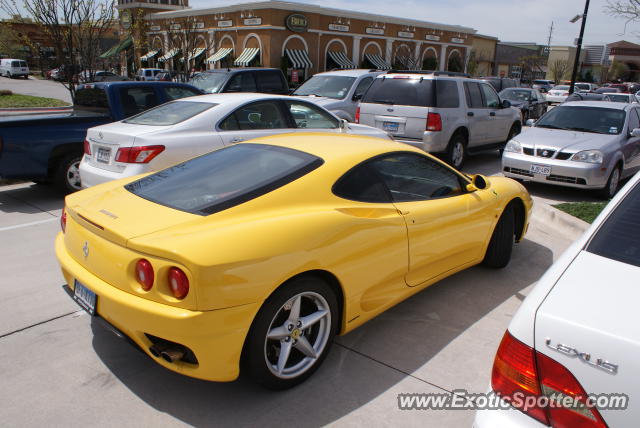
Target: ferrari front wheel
291	334
501	245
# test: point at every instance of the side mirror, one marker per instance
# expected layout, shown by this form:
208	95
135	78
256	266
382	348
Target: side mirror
635	133
530	122
477	183
356	97
344	125
506	103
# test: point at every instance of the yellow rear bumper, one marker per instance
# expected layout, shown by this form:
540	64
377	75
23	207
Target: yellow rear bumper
215	337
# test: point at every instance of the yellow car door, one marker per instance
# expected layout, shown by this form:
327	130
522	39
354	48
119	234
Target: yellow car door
447	226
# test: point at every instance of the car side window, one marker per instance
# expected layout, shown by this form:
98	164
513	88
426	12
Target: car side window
260	115
413	177
176	92
306	115
270	81
491	99
362	87
447	94
472	92
242	82
634	121
136	100
361	184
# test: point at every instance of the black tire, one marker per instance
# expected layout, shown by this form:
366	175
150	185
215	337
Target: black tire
613	184
516	128
9	75
66	175
501	245
258	350
457	151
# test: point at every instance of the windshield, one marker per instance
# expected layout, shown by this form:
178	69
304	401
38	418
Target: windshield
516	94
326	86
617	98
209	82
560	88
541	82
225	178
170	113
582	86
585	119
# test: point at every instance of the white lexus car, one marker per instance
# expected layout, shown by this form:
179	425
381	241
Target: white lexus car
185	128
570	356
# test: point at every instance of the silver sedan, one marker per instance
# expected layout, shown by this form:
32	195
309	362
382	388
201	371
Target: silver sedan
582	144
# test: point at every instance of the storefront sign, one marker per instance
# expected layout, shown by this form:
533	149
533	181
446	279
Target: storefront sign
405	34
174	27
253	21
125	19
198	25
432	37
294	76
297	23
338	27
456	40
371	30
154	28
226	23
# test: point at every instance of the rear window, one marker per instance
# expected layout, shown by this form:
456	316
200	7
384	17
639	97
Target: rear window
619	236
169	113
410	92
91	98
225	178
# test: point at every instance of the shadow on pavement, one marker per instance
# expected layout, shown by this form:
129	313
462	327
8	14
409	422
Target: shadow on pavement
405	337
30	198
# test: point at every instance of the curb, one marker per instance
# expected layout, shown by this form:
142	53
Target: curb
568	225
34	110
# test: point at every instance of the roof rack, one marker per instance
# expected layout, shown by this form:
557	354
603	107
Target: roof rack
433	72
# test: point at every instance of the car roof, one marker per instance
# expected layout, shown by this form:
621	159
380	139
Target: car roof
597	104
104	85
356	72
233	97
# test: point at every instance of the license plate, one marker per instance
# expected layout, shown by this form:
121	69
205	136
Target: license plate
390	126
85	297
540	169
103	155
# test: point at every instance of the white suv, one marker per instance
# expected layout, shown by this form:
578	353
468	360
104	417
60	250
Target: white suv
439	112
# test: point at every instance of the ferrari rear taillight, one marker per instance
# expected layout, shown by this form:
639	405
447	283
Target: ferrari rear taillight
357	118
144	274
541	387
63	220
142	154
178	283
87	148
434	122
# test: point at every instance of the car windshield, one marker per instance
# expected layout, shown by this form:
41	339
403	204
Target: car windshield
617	98
516	94
560	88
585	119
170	113
326	86
209	82
541	82
582	86
225	178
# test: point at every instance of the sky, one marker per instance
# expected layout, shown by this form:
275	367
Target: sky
509	20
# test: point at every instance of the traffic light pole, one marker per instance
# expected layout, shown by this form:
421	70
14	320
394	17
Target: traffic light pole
576	62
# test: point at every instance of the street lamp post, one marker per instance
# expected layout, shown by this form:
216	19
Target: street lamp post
576	62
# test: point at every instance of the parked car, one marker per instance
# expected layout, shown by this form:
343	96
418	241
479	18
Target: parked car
11	67
49	147
439	112
267	249
570	342
621	87
607	90
531	103
581	144
148	74
166	76
585	87
501	83
52	74
557	94
67	72
88	76
182	129
266	80
338	91
619	98
543	85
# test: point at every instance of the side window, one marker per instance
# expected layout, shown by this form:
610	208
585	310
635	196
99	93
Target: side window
270	81
634	121
360	184
242	82
148	73
260	115
412	177
307	115
136	100
447	94
474	98
176	92
362	87
491	99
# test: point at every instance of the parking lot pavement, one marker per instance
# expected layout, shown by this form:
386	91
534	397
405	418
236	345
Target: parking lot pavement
36	87
54	359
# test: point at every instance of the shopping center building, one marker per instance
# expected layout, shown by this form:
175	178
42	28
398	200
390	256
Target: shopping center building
299	38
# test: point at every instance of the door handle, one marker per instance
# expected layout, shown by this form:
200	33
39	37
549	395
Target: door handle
470	113
403	212
237	140
493	113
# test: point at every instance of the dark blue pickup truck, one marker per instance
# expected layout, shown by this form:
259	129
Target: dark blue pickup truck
49	147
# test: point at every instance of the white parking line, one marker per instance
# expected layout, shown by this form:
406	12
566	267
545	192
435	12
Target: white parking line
33	223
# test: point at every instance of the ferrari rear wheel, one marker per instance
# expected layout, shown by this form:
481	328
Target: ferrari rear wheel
501	245
291	334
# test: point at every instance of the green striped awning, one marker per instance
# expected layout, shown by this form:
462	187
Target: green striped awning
116	49
247	55
221	53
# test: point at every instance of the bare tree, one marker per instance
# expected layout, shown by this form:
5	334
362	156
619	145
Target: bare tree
627	9
74	26
618	70
183	36
531	65
559	69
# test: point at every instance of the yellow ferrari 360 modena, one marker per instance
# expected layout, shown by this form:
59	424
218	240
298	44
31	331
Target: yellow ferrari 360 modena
255	255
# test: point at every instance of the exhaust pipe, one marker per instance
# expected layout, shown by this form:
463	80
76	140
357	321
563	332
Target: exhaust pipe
156	350
171	355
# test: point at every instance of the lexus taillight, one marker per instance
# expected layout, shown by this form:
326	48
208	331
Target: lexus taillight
541	387
143	154
63	220
565	94
144	274
178	283
434	122
87	148
357	118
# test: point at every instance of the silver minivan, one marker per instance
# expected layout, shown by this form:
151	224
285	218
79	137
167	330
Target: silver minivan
439	112
10	67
